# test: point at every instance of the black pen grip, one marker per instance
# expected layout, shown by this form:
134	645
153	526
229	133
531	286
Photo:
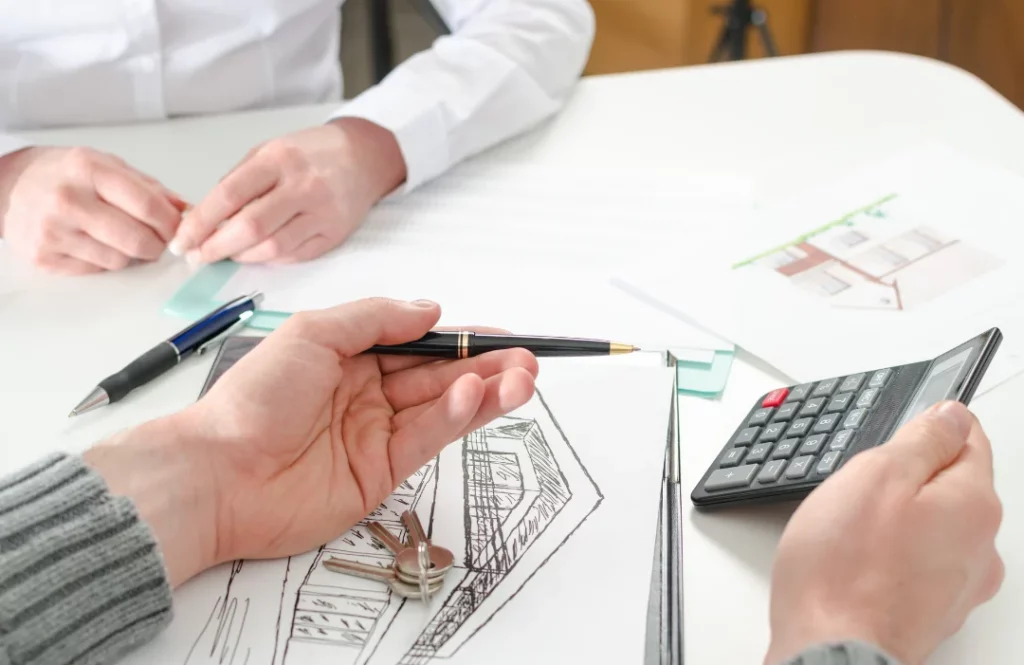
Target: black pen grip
140	371
442	344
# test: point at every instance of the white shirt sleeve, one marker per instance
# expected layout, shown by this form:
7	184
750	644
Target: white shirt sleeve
506	66
9	144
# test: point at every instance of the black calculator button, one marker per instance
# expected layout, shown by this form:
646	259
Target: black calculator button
760	417
840	402
723	479
854	418
799	427
867	398
759	452
746	436
851	383
825	388
878	378
787	411
785	449
813	444
826	423
813	406
799	467
772	432
799	393
732	457
828	462
841	439
771	471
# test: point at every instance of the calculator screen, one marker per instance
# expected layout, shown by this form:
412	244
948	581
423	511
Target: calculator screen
941	384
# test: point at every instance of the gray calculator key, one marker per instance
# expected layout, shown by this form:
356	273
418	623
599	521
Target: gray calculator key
867	398
772	432
799	427
813	444
799	467
732	457
851	383
759	452
723	479
771	471
828	462
827	422
799	393
812	406
787	411
840	402
878	378
841	439
825	388
761	416
785	449
746	436
854	419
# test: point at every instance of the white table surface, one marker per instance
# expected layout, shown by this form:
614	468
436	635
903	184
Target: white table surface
784	123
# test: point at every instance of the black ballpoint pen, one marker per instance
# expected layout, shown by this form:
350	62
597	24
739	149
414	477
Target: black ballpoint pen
465	344
208	330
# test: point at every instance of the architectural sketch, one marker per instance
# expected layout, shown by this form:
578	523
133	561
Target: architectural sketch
877	258
503	500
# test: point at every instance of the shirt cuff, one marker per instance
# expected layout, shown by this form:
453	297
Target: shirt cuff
9	144
81	579
415	118
843	653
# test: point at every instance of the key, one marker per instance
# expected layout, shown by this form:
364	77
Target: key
397	548
384	575
439	560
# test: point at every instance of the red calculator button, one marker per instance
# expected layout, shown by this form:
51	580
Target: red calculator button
775	397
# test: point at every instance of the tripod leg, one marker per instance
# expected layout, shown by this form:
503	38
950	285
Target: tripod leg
719	49
760	19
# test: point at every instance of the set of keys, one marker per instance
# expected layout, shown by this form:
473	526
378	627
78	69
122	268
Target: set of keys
418	569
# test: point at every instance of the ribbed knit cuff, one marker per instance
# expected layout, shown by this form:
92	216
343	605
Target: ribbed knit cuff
81	579
843	653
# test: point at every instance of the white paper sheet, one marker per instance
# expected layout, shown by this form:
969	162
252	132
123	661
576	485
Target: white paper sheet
529	250
569	488
894	264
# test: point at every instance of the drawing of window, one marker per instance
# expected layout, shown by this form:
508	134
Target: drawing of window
925	239
851	238
784	257
888	257
830	284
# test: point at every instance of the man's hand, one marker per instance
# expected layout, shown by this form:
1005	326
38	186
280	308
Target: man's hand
305	435
77	211
897	548
294	198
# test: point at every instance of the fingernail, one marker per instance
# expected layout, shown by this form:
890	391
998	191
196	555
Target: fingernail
176	247
956	414
426	304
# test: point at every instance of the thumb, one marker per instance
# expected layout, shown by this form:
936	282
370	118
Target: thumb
931	441
354	327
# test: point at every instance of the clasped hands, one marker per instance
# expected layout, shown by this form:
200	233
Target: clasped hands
77	210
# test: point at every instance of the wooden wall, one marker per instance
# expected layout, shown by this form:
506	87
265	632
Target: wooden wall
985	37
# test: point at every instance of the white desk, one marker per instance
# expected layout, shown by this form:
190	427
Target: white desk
784	123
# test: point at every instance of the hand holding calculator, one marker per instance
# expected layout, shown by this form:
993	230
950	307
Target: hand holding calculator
793	438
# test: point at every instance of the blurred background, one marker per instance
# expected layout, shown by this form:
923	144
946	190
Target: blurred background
985	37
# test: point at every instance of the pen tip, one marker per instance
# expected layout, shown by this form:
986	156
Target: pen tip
72	414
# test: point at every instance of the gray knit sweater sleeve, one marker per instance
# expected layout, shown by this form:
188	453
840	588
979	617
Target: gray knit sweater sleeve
81	580
843	653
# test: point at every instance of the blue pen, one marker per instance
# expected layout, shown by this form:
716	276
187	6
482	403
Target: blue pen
197	338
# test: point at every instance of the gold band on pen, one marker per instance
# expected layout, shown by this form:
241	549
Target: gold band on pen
463	345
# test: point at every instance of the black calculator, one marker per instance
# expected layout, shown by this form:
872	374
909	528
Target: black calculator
793	438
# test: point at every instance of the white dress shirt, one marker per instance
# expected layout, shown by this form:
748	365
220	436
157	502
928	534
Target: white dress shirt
507	65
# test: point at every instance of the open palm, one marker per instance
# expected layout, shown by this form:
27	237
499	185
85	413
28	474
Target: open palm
311	436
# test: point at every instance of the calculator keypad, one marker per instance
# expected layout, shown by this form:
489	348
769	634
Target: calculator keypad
798	433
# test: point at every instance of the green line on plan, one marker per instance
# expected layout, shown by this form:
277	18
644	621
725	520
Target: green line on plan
845	219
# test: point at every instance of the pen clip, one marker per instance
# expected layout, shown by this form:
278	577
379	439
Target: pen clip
224	334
